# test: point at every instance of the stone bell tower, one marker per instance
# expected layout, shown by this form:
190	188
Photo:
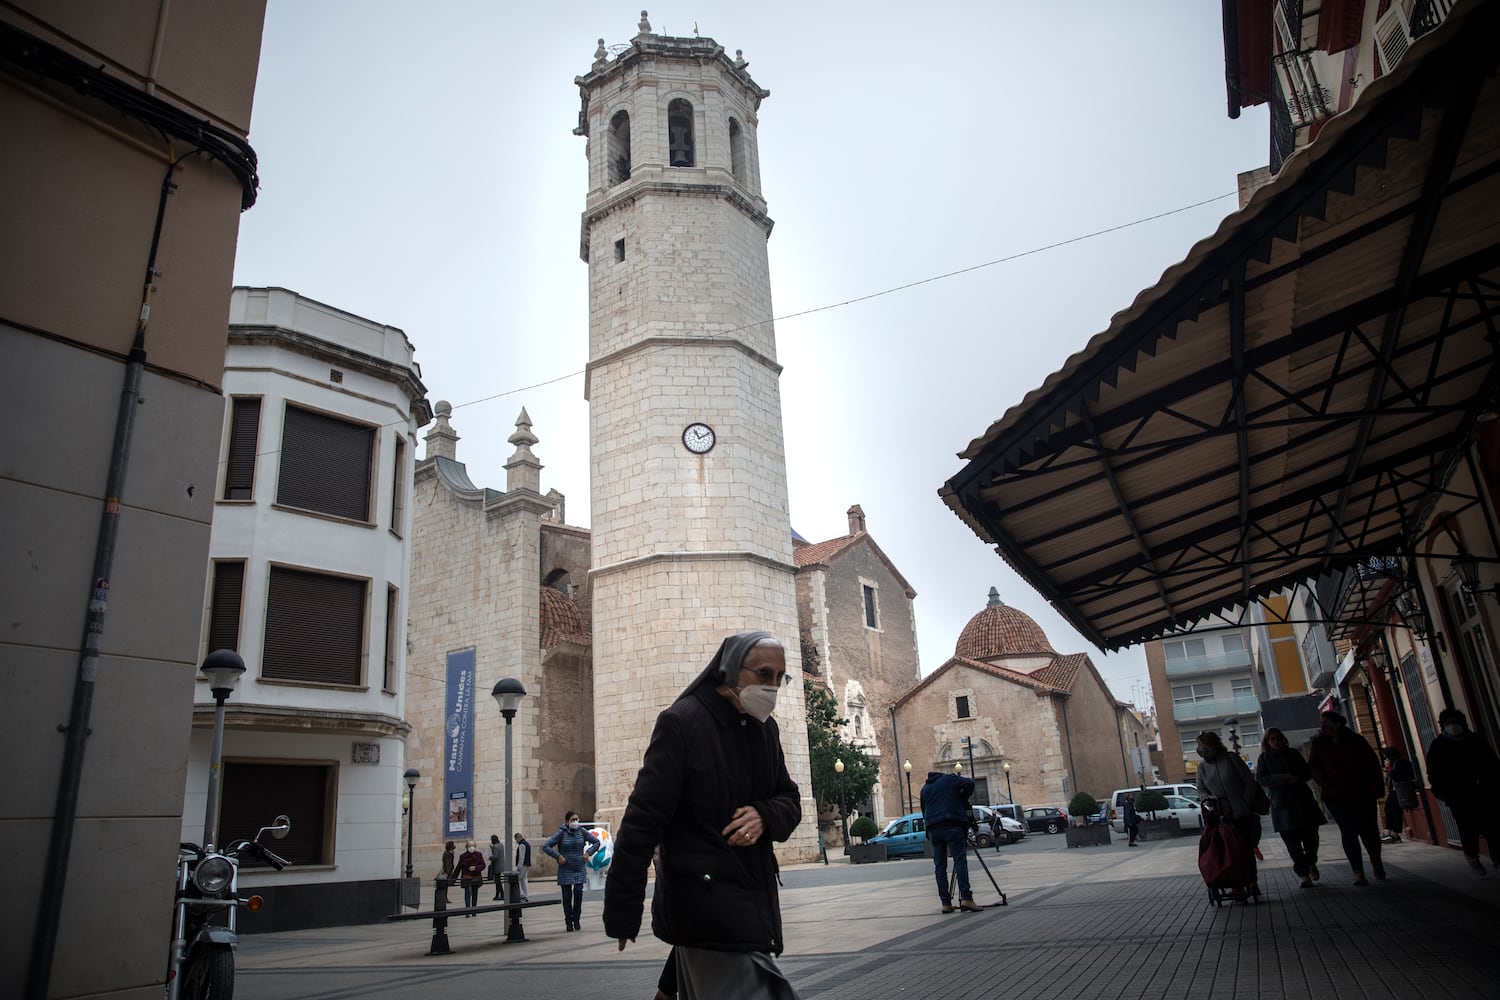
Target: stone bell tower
691	535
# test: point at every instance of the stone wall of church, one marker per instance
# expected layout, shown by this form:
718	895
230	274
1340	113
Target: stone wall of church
1017	722
1094	730
474	583
873	665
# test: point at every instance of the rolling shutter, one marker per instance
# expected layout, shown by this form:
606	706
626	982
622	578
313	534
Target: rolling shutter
254	794
244	433
325	465
315	627
224	606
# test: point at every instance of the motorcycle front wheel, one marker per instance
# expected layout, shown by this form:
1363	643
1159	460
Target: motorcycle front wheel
208	974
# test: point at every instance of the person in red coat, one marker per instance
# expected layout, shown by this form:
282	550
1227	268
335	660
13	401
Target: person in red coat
471	865
1347	770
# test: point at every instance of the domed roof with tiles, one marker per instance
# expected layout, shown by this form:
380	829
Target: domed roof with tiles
562	619
1001	630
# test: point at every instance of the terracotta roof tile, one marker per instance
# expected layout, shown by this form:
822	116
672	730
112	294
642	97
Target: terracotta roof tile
1001	630
562	620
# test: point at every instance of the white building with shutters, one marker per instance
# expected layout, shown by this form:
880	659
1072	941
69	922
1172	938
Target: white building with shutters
309	561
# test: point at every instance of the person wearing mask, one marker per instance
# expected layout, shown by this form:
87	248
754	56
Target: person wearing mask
1465	774
471	873
1295	813
523	867
713	793
945	814
1225	777
571	846
1348	772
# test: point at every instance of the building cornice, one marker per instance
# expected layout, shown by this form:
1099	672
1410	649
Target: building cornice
715	555
628	192
252	335
302	719
651	343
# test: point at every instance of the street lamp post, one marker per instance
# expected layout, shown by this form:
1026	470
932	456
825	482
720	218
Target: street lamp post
411	776
508	694
906	766
1009	795
838	767
969	749
222	667
1234	740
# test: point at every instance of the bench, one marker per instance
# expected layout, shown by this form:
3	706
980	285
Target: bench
441	913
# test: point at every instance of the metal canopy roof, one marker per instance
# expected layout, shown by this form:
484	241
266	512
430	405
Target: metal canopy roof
1292	396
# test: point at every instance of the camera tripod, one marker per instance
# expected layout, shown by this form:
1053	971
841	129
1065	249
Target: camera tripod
979	856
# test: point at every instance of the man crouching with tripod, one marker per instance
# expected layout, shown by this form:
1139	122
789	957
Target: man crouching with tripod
946	815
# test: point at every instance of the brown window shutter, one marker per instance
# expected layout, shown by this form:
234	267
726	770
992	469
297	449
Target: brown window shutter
315	627
1339	24
224	606
325	465
244	433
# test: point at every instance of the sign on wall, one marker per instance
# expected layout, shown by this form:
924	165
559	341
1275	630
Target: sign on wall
458	738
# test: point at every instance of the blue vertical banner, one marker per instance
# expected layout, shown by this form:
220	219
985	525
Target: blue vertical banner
458	749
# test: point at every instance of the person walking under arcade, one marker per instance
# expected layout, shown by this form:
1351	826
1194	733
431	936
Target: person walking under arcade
1348	772
1227	778
1465	774
1294	810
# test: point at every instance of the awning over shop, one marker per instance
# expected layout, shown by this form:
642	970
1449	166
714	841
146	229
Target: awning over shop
1289	399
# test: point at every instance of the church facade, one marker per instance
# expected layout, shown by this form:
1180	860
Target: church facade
1006	697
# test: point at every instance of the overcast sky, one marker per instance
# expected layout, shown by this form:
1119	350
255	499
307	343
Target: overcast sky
419	168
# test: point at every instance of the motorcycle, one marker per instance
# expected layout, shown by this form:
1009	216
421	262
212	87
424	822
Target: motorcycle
201	963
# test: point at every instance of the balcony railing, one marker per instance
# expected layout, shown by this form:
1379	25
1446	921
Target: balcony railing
1186	665
1215	708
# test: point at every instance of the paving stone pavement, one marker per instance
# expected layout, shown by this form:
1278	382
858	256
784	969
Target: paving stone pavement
1098	923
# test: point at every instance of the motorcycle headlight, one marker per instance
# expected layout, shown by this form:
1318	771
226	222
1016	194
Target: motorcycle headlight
213	875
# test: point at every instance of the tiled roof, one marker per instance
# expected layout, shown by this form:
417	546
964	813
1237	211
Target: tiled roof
562	620
1004	673
1063	671
821	552
1001	630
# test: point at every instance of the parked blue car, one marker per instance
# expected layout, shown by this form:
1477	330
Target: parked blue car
903	837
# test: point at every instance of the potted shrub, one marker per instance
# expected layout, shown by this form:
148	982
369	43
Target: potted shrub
864	827
1147	804
1079	833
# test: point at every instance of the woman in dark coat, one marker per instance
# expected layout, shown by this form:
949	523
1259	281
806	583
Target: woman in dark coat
1347	770
1465	774
714	793
1295	813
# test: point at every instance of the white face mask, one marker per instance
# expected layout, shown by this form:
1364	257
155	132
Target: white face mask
759	701
572	824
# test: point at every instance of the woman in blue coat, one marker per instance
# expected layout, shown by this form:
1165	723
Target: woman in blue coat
571	846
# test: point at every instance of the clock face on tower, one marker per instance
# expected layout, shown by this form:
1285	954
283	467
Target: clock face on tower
698	438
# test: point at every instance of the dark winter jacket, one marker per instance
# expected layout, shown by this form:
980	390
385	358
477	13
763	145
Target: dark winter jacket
1285	776
1128	815
523	854
945	799
1346	769
705	760
471	866
1463	769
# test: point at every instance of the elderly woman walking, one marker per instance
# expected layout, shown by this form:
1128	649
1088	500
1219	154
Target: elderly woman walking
1227	778
1295	813
571	846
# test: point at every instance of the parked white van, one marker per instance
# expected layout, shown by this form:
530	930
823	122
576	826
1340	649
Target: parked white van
1117	801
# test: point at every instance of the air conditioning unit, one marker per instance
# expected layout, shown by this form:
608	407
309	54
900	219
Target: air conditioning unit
1393	33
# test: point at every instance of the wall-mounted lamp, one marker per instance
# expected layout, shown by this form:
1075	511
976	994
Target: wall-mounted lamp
1467	567
1412	613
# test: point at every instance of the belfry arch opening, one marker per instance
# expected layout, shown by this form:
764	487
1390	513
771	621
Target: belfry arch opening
737	163
619	148
680	133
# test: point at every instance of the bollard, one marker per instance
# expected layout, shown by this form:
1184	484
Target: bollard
439	921
514	930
